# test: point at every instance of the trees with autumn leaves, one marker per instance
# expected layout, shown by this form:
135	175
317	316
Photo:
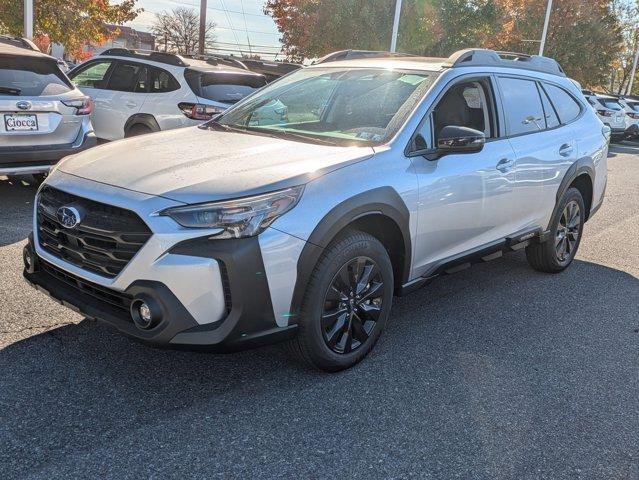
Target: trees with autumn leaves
586	36
72	23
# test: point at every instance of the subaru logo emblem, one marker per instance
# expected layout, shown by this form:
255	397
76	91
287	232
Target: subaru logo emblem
68	217
22	105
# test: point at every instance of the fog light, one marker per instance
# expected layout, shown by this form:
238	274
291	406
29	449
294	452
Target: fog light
146	313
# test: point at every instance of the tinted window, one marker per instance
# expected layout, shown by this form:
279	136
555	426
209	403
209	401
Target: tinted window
522	106
91	75
31	77
124	77
161	81
551	116
221	86
566	106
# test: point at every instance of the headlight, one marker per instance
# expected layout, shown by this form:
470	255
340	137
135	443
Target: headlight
242	217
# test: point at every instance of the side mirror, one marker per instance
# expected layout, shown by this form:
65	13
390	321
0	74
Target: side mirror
454	139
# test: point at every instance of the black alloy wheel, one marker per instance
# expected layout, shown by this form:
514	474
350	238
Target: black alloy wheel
352	305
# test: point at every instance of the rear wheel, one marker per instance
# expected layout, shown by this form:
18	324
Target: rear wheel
138	129
346	304
556	253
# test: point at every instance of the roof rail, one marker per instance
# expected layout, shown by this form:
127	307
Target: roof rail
352	54
19	42
216	59
480	57
154	56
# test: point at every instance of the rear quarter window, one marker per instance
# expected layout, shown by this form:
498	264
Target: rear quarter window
567	107
32	77
223	87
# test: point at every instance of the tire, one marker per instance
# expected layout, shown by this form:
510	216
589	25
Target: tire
329	319
566	228
137	129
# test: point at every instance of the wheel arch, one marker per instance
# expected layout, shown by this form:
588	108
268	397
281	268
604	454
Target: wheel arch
380	212
580	175
145	119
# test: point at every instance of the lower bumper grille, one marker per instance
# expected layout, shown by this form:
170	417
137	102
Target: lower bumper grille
112	297
103	242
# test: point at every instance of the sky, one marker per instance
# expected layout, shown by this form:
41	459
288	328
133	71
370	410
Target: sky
232	26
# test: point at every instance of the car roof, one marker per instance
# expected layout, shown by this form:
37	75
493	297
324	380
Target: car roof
198	65
12	50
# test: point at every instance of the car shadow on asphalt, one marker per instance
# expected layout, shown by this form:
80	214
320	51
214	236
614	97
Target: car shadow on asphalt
16	210
489	352
627	147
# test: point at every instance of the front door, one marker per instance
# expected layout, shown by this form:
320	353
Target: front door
463	198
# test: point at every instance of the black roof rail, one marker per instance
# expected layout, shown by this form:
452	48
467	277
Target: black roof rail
271	70
216	59
19	42
481	57
154	56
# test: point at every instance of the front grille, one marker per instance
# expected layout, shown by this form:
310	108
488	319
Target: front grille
112	297
104	242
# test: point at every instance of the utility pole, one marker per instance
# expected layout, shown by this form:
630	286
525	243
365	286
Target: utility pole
28	19
202	36
634	69
398	11
545	32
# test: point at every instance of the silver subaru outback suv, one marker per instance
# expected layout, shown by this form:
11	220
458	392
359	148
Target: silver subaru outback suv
43	117
380	175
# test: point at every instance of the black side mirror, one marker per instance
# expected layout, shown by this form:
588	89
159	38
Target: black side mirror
454	139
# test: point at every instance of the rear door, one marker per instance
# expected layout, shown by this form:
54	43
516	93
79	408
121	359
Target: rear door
542	147
126	91
31	110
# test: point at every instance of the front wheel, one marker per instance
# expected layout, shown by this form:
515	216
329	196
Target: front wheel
346	304
556	253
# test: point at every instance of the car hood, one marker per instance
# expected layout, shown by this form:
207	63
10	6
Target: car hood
194	165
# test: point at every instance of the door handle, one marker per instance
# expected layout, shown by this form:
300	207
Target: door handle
505	164
565	150
131	104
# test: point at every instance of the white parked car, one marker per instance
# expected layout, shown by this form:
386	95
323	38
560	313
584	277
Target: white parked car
136	93
610	112
632	117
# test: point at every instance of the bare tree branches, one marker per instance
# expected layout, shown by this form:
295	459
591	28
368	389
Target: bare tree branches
178	31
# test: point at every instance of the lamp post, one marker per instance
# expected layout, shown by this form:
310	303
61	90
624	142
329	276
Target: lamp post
545	32
398	11
202	35
28	19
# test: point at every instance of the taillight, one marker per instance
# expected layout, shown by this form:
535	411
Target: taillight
198	111
84	105
605	113
633	115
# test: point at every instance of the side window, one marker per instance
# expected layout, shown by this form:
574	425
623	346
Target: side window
522	106
142	85
161	81
551	116
567	107
124	77
465	105
92	75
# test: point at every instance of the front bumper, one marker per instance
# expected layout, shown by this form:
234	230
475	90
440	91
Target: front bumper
40	159
248	322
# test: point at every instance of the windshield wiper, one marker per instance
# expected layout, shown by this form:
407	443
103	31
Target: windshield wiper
10	90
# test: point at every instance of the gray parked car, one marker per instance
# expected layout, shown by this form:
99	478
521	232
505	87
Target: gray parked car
382	175
43	117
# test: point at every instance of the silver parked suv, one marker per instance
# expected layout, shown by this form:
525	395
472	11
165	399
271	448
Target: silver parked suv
43	117
382	174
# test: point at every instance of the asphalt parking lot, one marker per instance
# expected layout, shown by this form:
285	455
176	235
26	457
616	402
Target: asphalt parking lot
495	372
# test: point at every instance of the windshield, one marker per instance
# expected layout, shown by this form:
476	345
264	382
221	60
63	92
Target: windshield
31	77
340	106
